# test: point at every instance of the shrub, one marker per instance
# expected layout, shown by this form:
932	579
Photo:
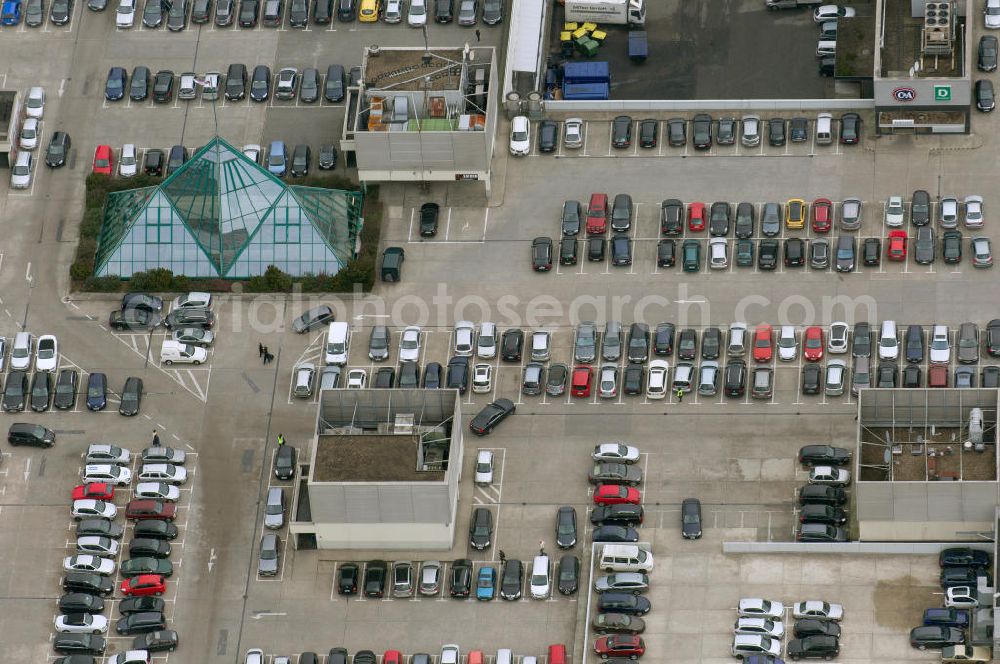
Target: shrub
108	284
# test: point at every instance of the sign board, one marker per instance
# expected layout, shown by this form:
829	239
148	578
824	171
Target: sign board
904	94
942	93
466	176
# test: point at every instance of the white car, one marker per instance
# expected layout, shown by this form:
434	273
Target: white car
356	379
450	654
89	508
157	491
718	253
894	212
97	546
486	343
393	11
618	452
765	626
753	607
974	209
194	299
252	152
81	623
254	656
105	453
20	174
657	380
128	164
940	352
948	217
683	377
838	338
991	14
482	378
961	596
34	105
163	472
830	476
125	14
416	16
465	333
130	657
788	345
108	473
573	132
484	467
751	131
520	136
409	344
818	610
28	139
47	354
755	644
832	13
88	563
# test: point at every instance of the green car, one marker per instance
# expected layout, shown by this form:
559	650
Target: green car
744	252
691	251
145	565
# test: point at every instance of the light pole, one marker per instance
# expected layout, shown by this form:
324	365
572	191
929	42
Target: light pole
204	83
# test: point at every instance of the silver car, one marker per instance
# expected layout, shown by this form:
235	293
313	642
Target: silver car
274	509
948	212
467	12
708	380
573	133
607	386
973	211
836	373
611	346
378	343
430	578
751	130
585	343
850	214
393	11
269	558
633	582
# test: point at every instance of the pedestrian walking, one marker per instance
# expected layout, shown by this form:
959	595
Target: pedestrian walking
156	439
477	34
541	547
264	354
268	357
260	349
680	395
503	557
281	439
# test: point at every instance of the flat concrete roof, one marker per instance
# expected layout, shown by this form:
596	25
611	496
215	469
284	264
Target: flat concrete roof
370	458
6	110
903	36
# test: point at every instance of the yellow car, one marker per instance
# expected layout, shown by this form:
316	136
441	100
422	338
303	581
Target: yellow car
369	11
795	213
963	653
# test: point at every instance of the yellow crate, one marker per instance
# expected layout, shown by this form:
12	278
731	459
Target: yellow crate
590	27
580	32
565	36
570	26
599	35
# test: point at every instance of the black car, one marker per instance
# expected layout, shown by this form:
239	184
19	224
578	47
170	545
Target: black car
671	217
154	529
249	10
744	252
284	462
666	253
236	82
961	575
798	130
822	494
457	377
163	86
687	344
298	13
621	132
541	254
726	131
736	378
224	12
795	252
920	208
824	455
568	251
812	377
133	319
88	582
34	13
61	12
964	556
481	528
913	343
511	345
148	547
160	640
55	153
701	131
97	391
201	11
432	376
548	136
985	99
626	515
260	82
823	514
153	162
347	579
409	375
327	157
131	397
871	251
744	220
648	130
385	378
718	221
888	375
951	247
15	391
566	527
346	10
145	604
632	378
461	578
987	60
491	415
301	157
691	518
912	376
676	132
813	627
621	213
376	572
623	603
177	15
596	247
615	533
152	13
935	637
190	317
34	435
850	127
845	258
429	213
88	644
333	87
512	579
814	647
139	623
492	11
176	158
621	250
568	577
114	86
776	131
41	391
767	254
444	11
80	603
638	342
572	217
711	343
663	339
861	345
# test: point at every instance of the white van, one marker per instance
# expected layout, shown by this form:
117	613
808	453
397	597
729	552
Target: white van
175	351
20	354
540	577
888	343
337	343
824	129
505	656
625	558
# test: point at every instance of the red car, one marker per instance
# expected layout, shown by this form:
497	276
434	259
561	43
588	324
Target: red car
762	343
812	343
103	159
597	214
150	509
895	250
392	657
95	490
620	645
822	215
696	217
582	378
144	584
937	375
616	494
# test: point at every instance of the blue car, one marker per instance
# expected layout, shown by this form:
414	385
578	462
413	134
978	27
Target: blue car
486	583
11	12
97	391
947	617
